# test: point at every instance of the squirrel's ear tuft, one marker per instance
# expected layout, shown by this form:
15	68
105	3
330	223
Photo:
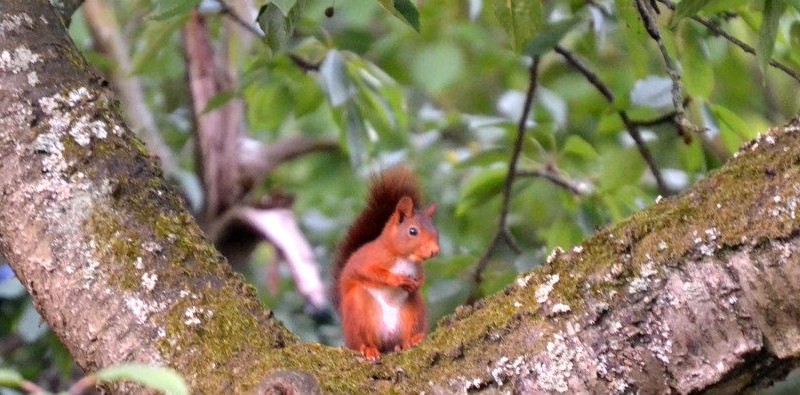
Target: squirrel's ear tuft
404	209
430	211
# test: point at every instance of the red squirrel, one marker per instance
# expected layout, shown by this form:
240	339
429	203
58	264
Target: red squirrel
378	272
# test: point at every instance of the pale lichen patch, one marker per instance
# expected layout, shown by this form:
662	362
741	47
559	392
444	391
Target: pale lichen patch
138	307
149	281
193	315
522	282
554	254
504	368
552	375
13	22
543	291
19	60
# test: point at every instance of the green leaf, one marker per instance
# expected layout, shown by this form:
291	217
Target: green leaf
520	18
284	5
562	232
794	3
480	188
156	35
354	133
531	148
698	74
687	8
335	81
10	378
579	147
549	37
438	66
160	378
769	30
610	124
620	167
733	130
485	158
718	6
219	100
545	137
729	119
308	96
277	27
405	10
165	9
692	156
633	35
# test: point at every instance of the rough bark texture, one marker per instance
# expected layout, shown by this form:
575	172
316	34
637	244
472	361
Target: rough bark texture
697	292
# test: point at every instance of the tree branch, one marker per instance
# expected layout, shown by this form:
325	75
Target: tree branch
66	8
252	28
503	233
716	30
219	131
257	160
630	126
109	40
685	128
551	174
278	226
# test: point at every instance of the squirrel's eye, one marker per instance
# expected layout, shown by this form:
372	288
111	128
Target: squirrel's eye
412	231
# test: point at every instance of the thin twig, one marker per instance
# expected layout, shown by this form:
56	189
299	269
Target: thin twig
503	233
630	126
31	388
304	64
82	385
230	13
666	118
603	10
716	30
681	122
555	177
110	41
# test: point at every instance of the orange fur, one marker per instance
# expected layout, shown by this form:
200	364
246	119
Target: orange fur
378	269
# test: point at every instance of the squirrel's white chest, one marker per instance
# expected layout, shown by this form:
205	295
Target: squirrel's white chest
390	299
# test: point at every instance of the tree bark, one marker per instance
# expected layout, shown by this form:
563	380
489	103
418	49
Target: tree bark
697	292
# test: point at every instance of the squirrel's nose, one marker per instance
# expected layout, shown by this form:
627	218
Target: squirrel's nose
435	250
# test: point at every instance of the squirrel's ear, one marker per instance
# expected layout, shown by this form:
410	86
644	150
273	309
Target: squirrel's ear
404	209
430	210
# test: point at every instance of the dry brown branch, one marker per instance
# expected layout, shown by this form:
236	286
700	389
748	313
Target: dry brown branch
109	41
237	233
503	234
218	131
257	160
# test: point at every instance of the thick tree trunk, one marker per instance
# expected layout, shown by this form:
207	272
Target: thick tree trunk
697	292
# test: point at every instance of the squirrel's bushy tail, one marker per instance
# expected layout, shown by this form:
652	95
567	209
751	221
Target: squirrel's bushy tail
385	191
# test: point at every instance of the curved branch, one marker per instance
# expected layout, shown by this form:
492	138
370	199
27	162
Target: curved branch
555	177
108	38
503	233
716	30
630	125
217	131
257	160
278	226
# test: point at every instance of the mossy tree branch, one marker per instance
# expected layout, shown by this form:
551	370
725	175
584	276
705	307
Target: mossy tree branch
694	293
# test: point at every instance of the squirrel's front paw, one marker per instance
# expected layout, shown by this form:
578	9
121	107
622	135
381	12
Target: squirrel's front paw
413	341
371	353
411	285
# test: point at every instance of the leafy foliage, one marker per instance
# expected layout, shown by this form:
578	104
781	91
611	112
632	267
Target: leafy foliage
160	378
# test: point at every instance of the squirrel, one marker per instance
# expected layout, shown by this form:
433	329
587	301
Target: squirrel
377	271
